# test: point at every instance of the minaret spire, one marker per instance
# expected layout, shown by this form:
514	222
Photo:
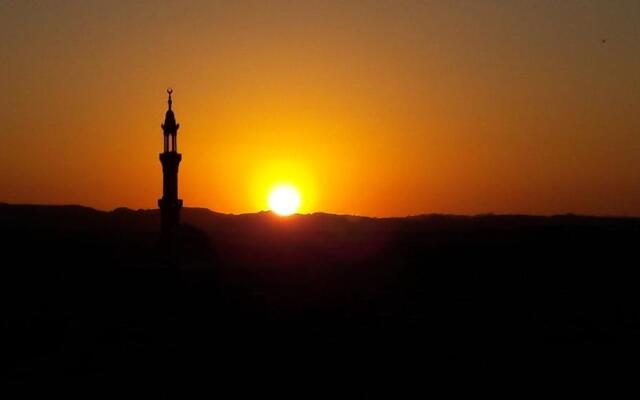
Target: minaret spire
170	127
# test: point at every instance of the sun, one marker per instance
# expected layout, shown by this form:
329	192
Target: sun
284	200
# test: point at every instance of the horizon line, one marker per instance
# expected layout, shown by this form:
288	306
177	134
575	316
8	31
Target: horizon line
485	214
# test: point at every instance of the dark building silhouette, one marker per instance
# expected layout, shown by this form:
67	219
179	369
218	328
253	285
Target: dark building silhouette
170	204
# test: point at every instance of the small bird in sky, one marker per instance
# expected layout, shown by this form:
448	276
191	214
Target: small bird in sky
604	41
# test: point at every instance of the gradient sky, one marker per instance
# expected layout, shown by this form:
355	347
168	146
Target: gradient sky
373	108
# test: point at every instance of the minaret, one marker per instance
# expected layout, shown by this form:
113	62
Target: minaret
170	204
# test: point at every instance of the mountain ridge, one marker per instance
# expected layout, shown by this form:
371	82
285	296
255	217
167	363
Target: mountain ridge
124	209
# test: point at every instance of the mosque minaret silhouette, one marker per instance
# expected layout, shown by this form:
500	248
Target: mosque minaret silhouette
170	204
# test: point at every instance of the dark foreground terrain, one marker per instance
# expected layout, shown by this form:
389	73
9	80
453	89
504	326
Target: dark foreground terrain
86	293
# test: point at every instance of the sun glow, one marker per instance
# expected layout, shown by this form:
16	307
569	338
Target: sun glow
284	200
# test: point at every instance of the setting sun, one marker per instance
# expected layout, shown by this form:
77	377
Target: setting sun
284	200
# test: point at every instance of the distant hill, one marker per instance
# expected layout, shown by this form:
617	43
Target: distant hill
79	218
263	237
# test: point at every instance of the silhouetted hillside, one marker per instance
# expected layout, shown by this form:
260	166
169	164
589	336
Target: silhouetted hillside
87	292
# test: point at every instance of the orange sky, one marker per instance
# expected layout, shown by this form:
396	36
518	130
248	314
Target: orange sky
371	108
